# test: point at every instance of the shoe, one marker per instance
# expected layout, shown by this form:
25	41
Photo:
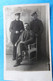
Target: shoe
17	64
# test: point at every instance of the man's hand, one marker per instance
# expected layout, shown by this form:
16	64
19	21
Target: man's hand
17	32
15	44
21	30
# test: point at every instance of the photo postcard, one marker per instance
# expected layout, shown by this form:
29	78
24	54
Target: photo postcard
27	45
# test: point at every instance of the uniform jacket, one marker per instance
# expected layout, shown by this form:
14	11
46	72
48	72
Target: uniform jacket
15	26
36	26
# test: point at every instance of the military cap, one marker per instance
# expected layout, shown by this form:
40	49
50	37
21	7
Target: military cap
34	13
17	13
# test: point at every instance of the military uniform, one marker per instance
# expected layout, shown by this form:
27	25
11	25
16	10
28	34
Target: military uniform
15	26
37	27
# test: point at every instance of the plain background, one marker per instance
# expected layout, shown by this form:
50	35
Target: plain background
14	2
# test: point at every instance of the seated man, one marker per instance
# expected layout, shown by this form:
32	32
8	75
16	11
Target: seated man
27	37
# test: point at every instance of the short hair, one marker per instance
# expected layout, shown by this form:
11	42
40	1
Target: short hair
17	14
25	23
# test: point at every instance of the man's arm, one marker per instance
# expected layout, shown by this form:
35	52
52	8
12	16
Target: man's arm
40	28
28	41
31	25
11	27
22	27
31	38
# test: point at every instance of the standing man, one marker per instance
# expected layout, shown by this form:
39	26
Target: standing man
16	29
37	27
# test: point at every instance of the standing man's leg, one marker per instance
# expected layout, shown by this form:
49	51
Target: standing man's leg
14	40
39	47
14	52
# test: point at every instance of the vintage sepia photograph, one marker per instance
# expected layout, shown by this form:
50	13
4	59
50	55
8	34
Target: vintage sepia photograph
27	38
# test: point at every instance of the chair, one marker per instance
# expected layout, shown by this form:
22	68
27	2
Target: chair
32	51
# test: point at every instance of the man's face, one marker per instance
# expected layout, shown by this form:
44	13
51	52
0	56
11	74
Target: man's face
17	17
35	16
25	25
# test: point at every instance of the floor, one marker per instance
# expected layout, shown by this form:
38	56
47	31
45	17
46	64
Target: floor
25	66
